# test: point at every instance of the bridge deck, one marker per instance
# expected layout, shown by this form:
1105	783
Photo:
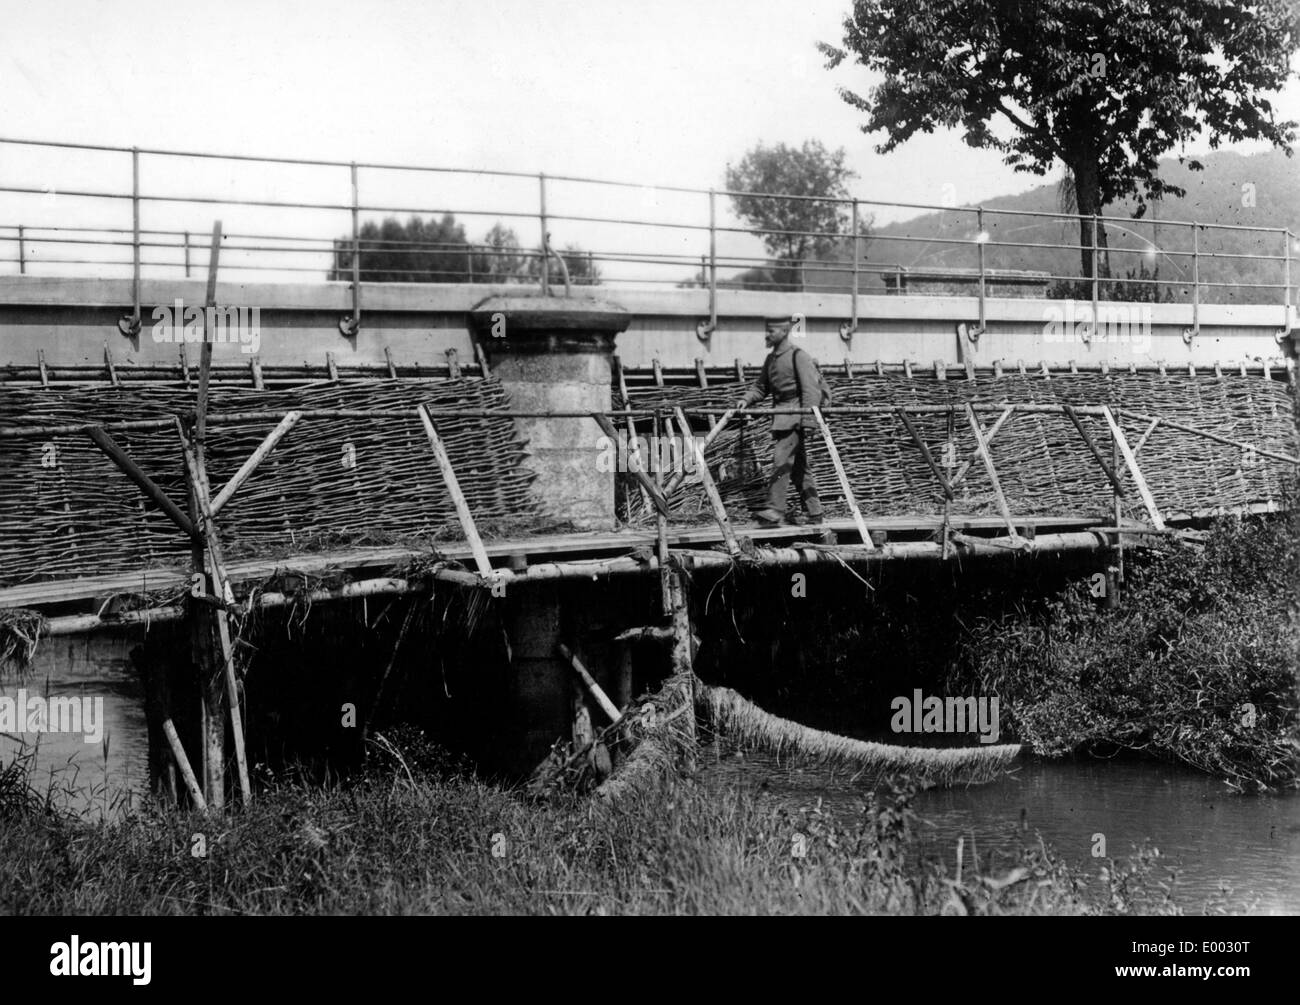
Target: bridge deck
360	563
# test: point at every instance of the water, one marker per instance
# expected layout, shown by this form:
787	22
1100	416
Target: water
1249	844
90	778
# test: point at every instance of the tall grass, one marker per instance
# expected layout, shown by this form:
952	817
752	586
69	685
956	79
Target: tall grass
403	840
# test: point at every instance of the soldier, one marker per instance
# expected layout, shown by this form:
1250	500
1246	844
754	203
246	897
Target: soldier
791	377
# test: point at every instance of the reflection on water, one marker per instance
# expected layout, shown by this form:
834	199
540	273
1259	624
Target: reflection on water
1251	844
88	777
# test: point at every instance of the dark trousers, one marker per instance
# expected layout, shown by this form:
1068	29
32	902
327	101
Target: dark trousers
790	457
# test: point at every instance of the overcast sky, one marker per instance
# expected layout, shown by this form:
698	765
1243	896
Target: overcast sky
662	92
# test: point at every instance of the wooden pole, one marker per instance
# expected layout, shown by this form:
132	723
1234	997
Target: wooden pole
661	525
1094	449
217	617
840	473
983	448
652	493
183	763
449	479
118	456
710	489
1129	459
602	699
925	452
677	477
634	447
213	622
249	466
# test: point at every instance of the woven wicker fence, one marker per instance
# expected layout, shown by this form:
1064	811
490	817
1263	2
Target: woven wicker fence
1043	465
67	510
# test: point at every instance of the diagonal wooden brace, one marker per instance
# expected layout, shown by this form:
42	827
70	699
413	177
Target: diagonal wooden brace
642	479
254	459
710	488
118	456
1092	446
1126	452
982	446
925	452
457	496
843	476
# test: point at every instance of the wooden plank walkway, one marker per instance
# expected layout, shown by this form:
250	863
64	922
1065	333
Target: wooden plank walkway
371	561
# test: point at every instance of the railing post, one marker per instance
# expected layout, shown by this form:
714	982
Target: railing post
846	331
187	254
22	251
135	237
706	328
546	238
1191	333
979	222
130	325
1286	278
350	324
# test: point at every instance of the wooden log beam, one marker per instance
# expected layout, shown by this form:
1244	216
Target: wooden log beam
128	467
1113	478
925	451
457	496
843	476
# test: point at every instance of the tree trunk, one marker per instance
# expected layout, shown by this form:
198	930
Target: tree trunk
1087	195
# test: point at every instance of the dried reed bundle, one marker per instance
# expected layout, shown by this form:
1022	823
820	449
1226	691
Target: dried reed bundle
20	631
744	722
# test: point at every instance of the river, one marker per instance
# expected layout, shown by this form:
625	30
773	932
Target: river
1239	852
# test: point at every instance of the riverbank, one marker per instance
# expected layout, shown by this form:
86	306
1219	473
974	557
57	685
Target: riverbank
413	837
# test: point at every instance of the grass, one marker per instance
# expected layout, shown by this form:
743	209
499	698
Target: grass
407	838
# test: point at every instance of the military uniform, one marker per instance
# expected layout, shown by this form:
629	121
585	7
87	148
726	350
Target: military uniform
789	446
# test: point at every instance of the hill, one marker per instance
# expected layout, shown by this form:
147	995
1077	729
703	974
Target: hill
1258	190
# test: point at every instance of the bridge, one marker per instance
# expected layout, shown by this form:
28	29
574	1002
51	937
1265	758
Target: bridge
347	439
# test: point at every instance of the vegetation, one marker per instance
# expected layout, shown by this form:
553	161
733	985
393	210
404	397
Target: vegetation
794	230
415	835
438	251
1197	665
1105	89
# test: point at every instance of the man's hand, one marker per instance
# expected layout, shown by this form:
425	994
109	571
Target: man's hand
742	403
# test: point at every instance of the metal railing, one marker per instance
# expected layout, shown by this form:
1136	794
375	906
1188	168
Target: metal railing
338	236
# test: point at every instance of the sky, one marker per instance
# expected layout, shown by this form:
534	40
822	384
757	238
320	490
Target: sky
664	92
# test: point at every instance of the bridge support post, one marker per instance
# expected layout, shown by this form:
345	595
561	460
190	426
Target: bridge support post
555	355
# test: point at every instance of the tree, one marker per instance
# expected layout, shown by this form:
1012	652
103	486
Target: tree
794	230
499	258
419	251
1105	88
437	251
583	270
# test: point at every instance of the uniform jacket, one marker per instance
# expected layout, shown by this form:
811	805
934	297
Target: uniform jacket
777	378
